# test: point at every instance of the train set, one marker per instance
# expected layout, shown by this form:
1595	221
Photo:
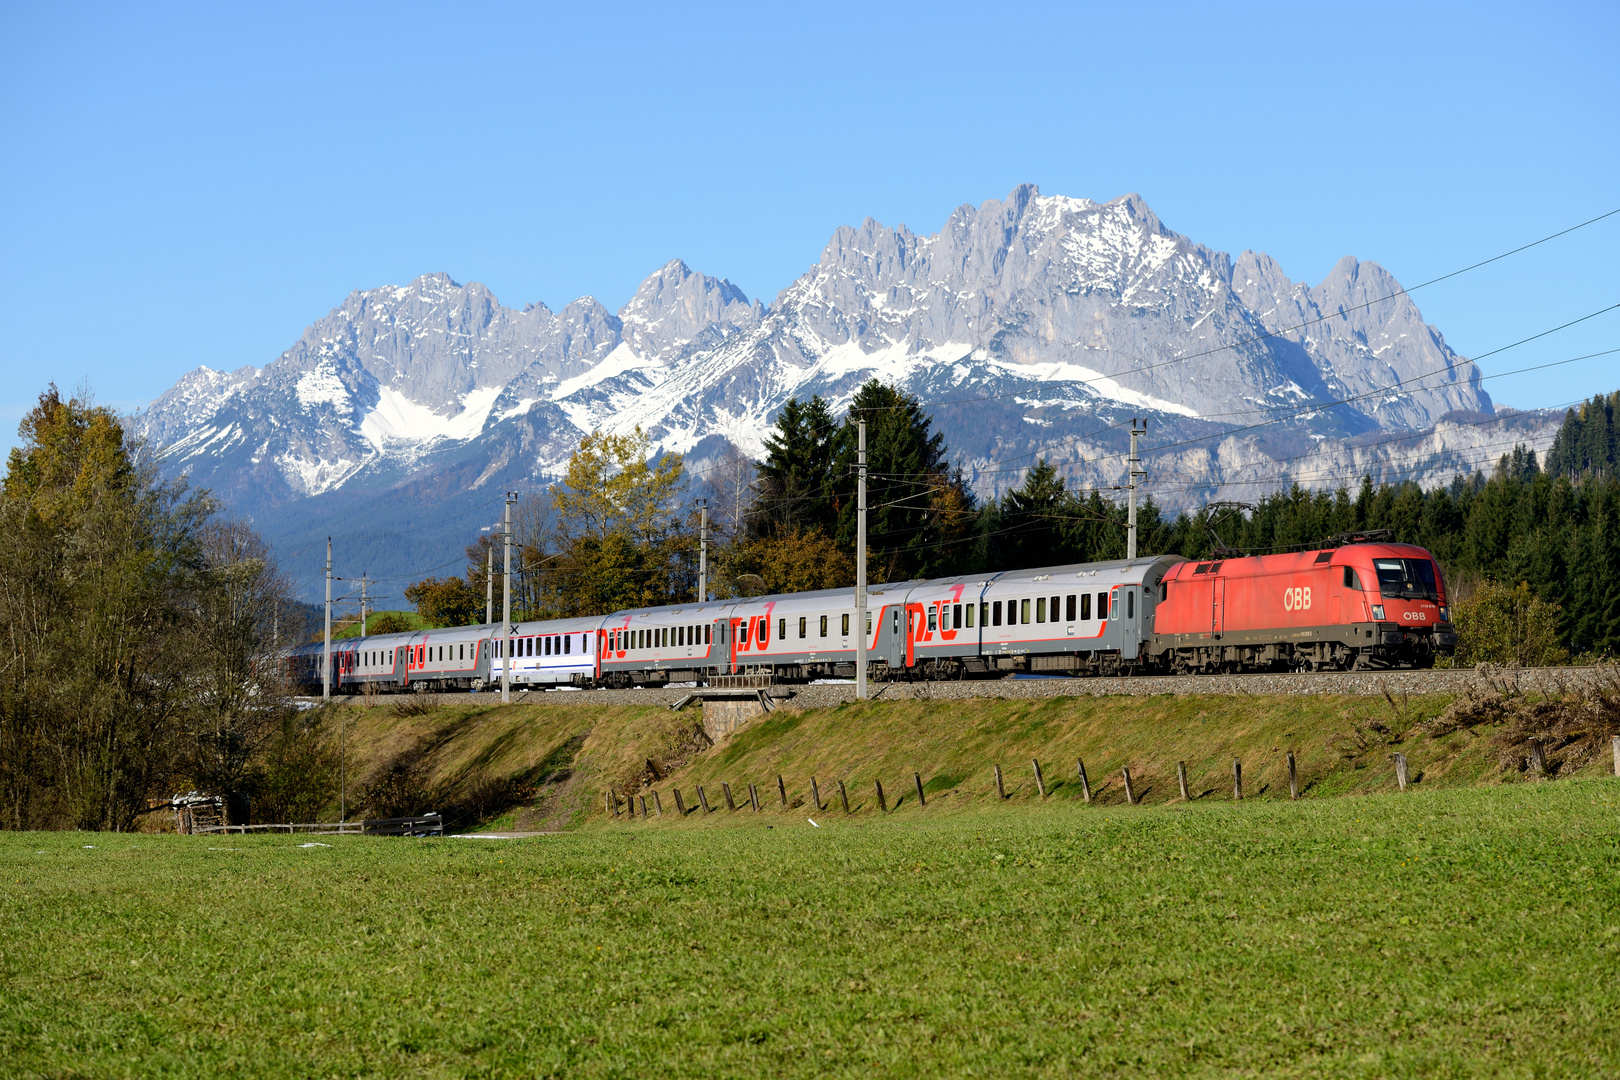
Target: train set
1356	606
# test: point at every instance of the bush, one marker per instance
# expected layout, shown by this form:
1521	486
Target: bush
389	622
1502	625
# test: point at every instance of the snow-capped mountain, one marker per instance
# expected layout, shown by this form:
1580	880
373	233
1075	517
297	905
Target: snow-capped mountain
1032	325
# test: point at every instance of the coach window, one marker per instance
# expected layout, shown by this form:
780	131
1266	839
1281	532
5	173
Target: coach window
1130	604
995	614
1023	612
933	620
804	624
548	646
567	641
846	623
708	632
764	633
1069	606
781	629
956	616
1040	609
969	613
742	632
1113	607
823	625
1102	605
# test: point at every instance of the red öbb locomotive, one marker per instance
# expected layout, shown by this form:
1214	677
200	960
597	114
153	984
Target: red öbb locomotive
1357	606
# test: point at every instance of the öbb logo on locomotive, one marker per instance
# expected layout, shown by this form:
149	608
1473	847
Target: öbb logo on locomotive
1358	605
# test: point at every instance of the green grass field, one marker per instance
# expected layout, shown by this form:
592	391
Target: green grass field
1449	932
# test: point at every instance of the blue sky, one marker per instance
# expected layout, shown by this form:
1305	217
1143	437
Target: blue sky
185	185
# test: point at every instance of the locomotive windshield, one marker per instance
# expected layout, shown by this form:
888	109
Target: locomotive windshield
1406	577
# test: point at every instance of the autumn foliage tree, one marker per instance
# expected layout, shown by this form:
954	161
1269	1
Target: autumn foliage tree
141	635
616	535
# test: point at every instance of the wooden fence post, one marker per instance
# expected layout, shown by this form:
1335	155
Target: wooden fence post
1181	775
613	797
630	806
843	796
1085	785
1237	779
703	799
680	803
1293	777
815	795
1130	797
726	788
658	804
1400	770
916	778
607	804
753	797
781	788
1617	755
1538	759
1001	792
883	804
1040	784
643	807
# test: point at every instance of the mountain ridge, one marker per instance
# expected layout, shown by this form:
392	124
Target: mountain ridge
1036	321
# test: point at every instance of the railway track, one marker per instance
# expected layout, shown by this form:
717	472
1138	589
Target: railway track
1368	683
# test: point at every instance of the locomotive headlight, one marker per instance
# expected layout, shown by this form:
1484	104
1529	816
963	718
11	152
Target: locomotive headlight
1378	612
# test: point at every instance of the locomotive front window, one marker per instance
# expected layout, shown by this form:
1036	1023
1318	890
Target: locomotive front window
1406	578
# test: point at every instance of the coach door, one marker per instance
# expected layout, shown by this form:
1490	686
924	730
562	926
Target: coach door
893	636
1217	610
723	652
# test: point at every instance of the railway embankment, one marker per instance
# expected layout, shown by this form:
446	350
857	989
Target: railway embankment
549	761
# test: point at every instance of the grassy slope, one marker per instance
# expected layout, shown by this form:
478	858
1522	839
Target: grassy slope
953	744
1441	933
